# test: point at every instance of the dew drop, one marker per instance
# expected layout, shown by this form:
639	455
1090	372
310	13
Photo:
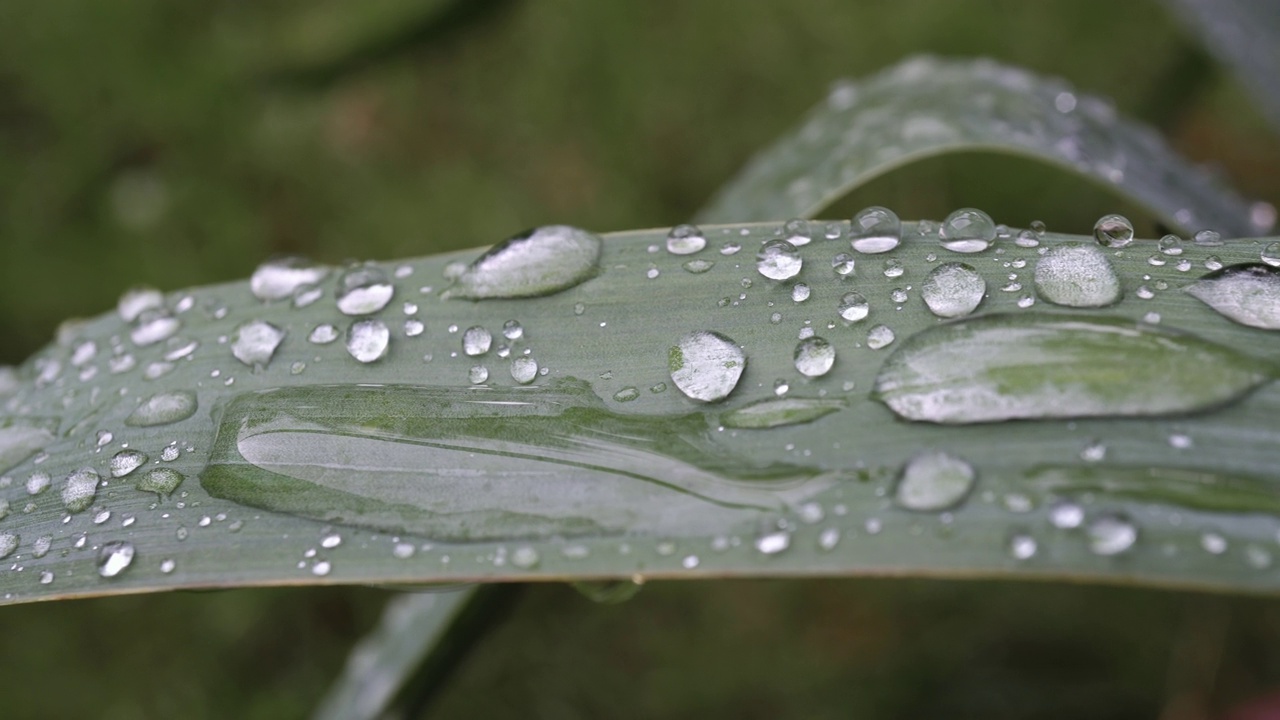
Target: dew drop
1112	535
829	538
626	394
875	230
1077	275
512	330
967	230
323	334
136	301
8	543
843	264
706	365
1207	238
161	481
363	291
1248	294
1271	254
114	558
38	482
255	343
1066	515
163	408
853	307
953	290
153	327
524	369
368	340
1113	231
476	341
685	240
542	261
800	292
80	489
778	260
477	374
933	481
1213	543
814	357
279	278
1170	245
774	542
697	267
880	336
1022	546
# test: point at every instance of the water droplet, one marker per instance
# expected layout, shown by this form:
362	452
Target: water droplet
933	481
255	343
853	307
368	340
163	408
19	442
80	489
38	482
967	230
843	264
706	365
161	481
1170	245
1095	451
1207	238
114	558
829	538
774	542
778	260
1248	294
1004	367
279	278
879	336
8	543
1213	543
800	292
477	374
697	267
626	394
42	545
1112	535
1113	231
154	326
1271	254
953	290
814	357
685	240
539	262
512	330
323	334
1022	546
893	268
1066	515
875	230
771	413
476	341
1077	275
1027	239
363	291
524	369
138	300
321	568
525	557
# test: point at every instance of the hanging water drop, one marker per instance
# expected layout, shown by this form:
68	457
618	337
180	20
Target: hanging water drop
256	342
967	230
814	357
539	262
706	365
953	290
1113	231
875	230
368	340
1077	275
934	481
778	260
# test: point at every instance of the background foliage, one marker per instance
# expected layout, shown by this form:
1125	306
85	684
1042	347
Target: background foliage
179	144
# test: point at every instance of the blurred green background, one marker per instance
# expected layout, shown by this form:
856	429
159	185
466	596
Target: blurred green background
177	143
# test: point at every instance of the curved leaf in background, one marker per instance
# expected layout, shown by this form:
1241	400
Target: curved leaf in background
928	106
685	409
1244	34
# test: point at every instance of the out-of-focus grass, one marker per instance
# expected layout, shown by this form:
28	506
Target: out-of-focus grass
144	141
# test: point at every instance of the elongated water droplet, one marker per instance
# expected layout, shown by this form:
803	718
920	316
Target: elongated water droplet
706	365
933	481
1077	275
163	408
875	230
80	489
1113	231
154	326
368	340
363	291
774	542
114	558
279	278
780	412
778	260
1112	534
138	300
19	442
255	343
1248	294
967	230
1005	367
853	307
452	463
953	290
161	481
8	543
539	262
814	357
126	461
685	240
476	341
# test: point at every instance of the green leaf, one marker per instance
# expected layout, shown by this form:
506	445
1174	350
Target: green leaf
546	438
928	106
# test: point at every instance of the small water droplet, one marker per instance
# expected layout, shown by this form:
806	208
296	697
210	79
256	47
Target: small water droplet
626	394
1022	546
161	481
853	307
525	557
1095	451
814	357
953	290
1213	543
154	326
778	260
800	292
138	300
774	542
685	240
477	374
1248	294
542	261
1170	245
476	341
1066	515
875	230
1077	275
279	278
8	543
323	334
967	230
1207	238
829	538
1112	534
256	342
1113	231
893	268
368	340
19	442
843	264
706	365
1027	239
934	481
80	489
114	558
879	336
163	408
524	369
38	482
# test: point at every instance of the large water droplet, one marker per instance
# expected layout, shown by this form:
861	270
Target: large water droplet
1113	231
953	290
524	369
114	558
814	357
685	240
967	230
1248	294
126	461
163	408
80	489
539	262
1077	275
476	341
363	291
1004	367
706	365
771	413
875	230
19	442
368	340
1112	534
8	543
279	278
255	343
491	464
933	481
778	260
